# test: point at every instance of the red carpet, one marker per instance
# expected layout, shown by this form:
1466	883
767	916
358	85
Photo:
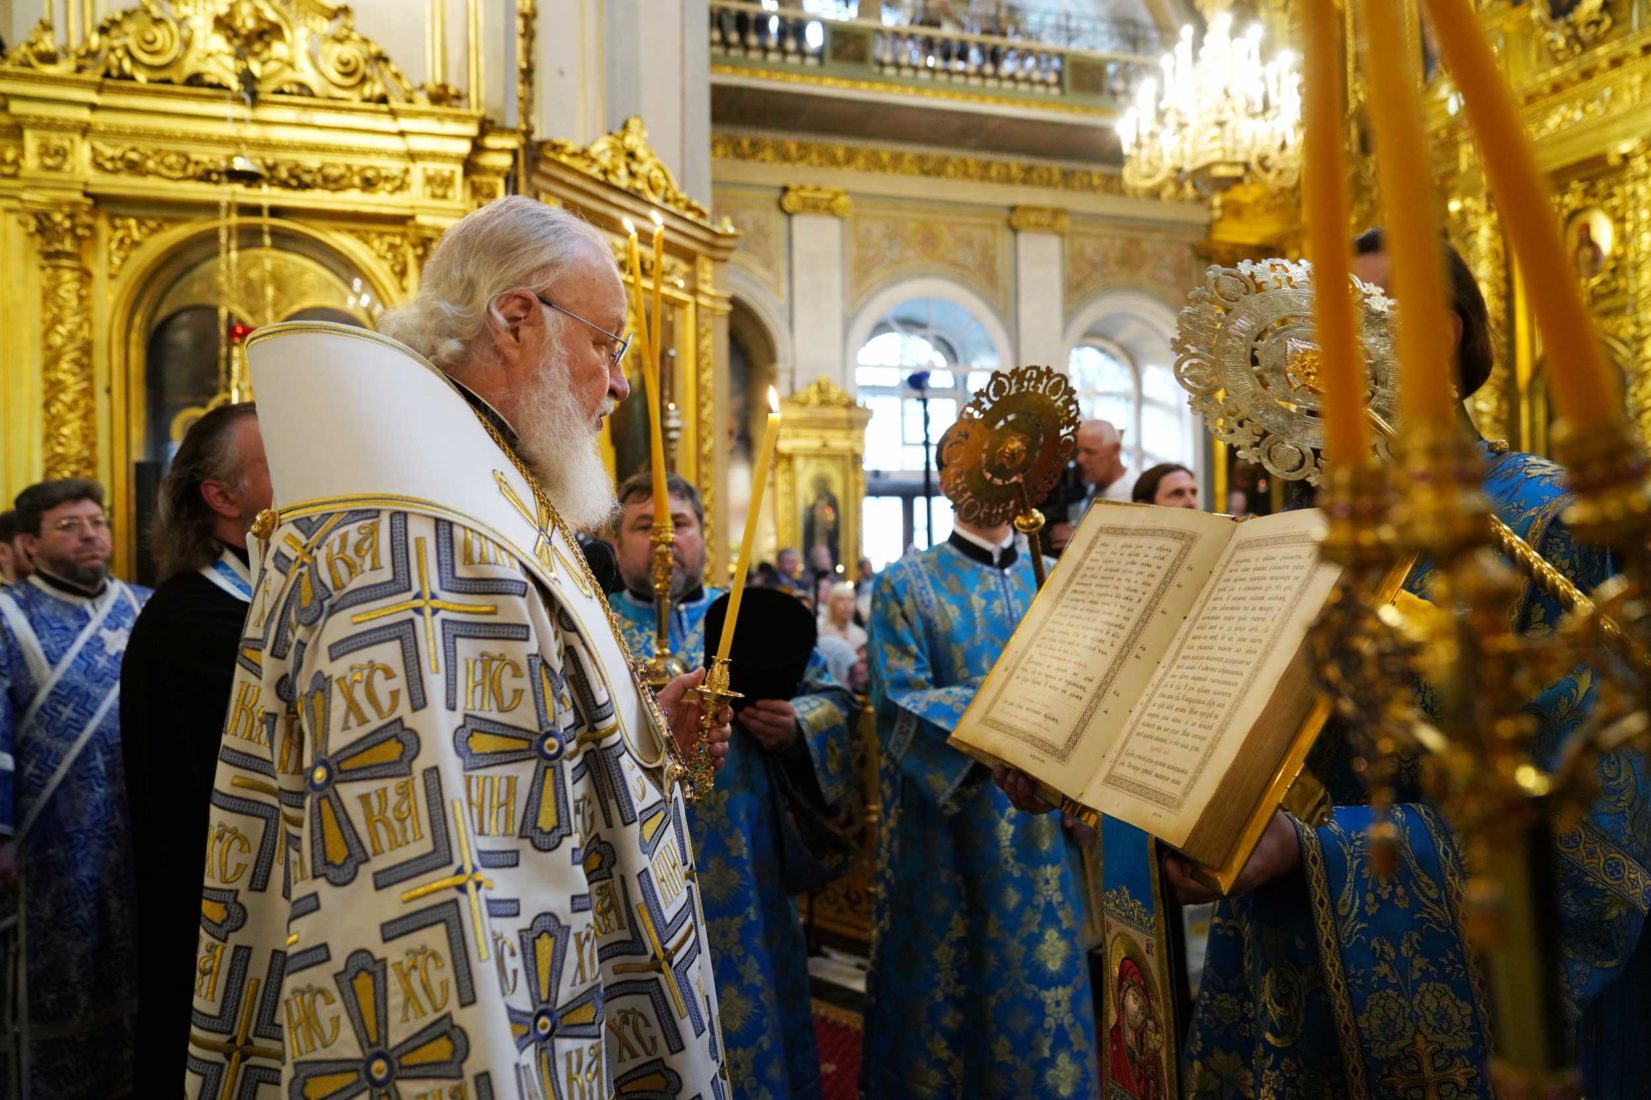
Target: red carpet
837	1030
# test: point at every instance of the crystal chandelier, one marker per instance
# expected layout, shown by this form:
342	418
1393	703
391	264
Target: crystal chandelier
1217	120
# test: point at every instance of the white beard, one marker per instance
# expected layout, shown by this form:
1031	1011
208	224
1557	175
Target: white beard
559	442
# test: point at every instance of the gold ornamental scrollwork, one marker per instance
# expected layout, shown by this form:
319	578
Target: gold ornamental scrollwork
527	31
1569	32
1246	355
288	175
126	235
705	388
331	176
53	154
803	199
822	393
390	248
292	47
1040	219
11	161
66	340
901	162
1637	231
623	159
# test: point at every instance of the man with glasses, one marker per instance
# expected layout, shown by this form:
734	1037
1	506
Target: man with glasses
435	722
65	864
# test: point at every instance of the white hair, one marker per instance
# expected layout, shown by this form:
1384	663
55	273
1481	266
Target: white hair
511	242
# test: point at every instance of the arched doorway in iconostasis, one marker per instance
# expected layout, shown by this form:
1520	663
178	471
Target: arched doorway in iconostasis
177	340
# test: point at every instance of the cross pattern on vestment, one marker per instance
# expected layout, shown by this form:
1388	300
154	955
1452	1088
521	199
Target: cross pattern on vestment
1422	1066
303	553
427	604
661	961
241	1047
467	877
542	521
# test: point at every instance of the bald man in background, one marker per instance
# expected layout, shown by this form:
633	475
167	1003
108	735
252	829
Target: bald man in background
1097	470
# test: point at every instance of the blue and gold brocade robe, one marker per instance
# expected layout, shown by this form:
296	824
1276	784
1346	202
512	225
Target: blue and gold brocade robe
979	983
63	803
1337	982
758	950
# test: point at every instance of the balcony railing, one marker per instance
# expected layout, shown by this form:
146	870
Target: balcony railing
751	36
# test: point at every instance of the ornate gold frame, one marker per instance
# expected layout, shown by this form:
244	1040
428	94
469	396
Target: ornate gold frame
822	431
114	154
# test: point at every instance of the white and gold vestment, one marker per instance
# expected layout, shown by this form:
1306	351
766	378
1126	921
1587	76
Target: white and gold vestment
443	860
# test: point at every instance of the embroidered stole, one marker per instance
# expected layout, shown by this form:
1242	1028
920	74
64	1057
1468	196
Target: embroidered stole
82	663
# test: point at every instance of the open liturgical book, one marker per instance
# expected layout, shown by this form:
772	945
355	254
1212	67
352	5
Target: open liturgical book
1161	675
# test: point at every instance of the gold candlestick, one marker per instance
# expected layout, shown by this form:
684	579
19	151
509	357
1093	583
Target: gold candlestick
714	694
664	666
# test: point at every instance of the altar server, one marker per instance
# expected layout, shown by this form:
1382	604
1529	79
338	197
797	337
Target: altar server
979	983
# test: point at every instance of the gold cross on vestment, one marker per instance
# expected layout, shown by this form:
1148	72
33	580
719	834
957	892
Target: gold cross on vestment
303	556
427	603
469	877
242	1047
660	963
541	522
1428	1076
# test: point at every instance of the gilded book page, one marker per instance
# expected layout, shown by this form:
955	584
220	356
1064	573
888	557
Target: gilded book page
1217	676
1083	654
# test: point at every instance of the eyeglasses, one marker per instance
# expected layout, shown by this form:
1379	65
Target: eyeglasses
74	524
621	344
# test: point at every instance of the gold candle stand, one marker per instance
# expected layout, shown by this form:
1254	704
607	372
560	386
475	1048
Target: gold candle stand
714	694
663	666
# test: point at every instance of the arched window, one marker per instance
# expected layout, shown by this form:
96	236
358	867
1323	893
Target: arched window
924	351
1120	366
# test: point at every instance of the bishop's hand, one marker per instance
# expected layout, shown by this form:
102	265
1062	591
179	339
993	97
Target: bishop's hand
681	709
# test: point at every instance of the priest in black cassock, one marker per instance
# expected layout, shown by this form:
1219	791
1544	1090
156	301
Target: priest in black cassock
174	694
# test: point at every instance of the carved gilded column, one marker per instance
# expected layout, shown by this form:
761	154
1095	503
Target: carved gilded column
1480	238
1636	259
60	232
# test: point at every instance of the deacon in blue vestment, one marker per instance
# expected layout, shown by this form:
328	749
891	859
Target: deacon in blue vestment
1339	981
757	945
979	982
67	848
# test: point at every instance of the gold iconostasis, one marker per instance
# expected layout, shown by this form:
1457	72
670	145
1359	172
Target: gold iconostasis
188	172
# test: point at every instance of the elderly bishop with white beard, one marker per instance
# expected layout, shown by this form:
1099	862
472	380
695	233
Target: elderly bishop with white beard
447	848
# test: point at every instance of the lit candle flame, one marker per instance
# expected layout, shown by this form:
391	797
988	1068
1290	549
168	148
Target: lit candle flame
630	226
773	400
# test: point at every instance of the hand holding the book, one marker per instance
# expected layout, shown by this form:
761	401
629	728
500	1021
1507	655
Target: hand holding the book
1021	789
1278	854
